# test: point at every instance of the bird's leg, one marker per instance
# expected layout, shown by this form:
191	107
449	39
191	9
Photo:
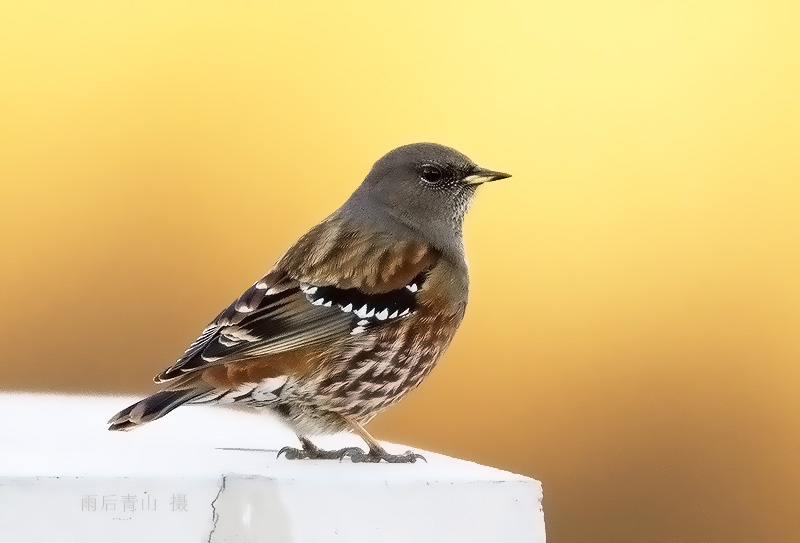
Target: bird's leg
312	452
376	453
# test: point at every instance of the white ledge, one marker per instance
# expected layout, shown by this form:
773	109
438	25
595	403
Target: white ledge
211	474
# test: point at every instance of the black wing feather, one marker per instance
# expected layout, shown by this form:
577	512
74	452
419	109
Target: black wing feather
279	314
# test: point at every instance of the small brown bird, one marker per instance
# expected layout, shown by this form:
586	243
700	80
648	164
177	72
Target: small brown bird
351	319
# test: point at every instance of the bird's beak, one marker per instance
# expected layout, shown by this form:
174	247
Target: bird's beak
481	175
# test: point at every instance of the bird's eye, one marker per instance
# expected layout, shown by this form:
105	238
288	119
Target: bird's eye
431	174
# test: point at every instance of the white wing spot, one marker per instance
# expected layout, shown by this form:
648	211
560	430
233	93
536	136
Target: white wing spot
242	390
228	341
265	390
239	334
207	359
261	285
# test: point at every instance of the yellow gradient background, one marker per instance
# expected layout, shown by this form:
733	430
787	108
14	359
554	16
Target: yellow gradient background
633	335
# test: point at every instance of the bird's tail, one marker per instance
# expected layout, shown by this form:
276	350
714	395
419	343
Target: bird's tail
151	408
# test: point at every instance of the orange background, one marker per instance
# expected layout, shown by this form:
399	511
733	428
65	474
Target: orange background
632	337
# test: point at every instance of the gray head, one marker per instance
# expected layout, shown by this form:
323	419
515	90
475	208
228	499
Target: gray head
425	186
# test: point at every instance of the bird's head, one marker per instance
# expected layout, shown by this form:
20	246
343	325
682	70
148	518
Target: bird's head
426	186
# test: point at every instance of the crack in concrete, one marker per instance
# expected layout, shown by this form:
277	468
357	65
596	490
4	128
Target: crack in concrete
214	514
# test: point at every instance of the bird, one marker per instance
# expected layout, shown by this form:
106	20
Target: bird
350	319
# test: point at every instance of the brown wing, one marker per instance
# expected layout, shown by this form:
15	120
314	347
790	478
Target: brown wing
333	283
333	253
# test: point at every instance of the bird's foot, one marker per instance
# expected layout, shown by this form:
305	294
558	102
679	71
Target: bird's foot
314	453
356	455
374	455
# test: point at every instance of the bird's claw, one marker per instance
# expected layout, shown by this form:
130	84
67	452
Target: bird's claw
293	453
358	456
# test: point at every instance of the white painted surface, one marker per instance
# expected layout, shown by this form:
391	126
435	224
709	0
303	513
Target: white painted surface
205	474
